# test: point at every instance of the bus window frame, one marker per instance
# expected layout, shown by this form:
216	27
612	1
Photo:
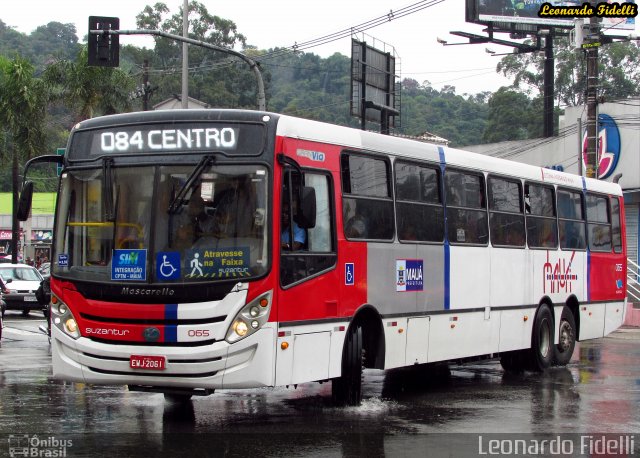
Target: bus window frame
607	199
554	203
467	171
283	253
616	248
582	195
441	205
520	183
386	159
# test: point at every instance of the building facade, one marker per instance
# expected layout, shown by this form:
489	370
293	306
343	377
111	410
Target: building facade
35	234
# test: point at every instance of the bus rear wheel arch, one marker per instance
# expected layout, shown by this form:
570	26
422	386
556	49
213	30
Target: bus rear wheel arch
364	347
541	354
347	389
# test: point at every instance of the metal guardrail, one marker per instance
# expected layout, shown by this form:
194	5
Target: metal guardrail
633	281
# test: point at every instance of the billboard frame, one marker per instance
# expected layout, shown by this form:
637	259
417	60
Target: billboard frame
375	95
503	16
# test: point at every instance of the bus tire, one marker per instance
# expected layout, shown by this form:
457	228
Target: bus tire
346	390
566	339
541	352
175	398
514	361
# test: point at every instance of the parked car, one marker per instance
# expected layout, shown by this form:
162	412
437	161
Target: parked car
19	285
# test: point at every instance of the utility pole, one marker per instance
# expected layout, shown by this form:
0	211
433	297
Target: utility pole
146	93
549	96
185	55
592	44
15	224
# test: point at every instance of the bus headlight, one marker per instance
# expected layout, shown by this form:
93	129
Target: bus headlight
250	318
63	319
240	328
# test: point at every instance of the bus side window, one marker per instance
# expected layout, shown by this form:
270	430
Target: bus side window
367	205
598	223
505	210
466	208
313	250
616	225
571	220
542	226
419	210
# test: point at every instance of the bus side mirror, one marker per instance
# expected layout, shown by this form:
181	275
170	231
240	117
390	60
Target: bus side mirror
306	216
24	205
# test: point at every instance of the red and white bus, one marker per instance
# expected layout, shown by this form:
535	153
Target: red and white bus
214	249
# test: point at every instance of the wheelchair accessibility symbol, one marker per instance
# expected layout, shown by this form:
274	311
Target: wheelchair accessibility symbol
168	265
349	274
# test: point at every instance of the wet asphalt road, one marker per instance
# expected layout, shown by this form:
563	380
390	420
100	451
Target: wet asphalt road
417	412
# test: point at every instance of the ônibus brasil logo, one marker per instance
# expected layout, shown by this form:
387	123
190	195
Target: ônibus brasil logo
608	150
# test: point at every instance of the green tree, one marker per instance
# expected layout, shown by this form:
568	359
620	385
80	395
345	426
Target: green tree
12	42
618	67
89	91
510	116
214	77
23	99
53	41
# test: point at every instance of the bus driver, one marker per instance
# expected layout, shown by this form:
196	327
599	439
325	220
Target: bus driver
299	234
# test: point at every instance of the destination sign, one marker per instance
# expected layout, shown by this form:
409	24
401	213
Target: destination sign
232	138
168	139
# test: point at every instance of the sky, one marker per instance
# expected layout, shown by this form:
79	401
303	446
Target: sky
266	24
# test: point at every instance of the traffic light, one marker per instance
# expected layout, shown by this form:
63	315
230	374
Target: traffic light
104	48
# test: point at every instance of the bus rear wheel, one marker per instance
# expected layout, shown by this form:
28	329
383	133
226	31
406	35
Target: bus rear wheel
347	389
567	338
542	350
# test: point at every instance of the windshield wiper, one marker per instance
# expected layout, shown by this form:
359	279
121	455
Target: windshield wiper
178	200
107	189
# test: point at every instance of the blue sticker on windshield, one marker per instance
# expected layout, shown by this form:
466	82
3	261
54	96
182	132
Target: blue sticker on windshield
129	265
168	265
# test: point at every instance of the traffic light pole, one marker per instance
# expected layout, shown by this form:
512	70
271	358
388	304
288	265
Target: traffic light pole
252	64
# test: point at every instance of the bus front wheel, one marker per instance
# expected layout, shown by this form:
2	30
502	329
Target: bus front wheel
347	389
567	338
542	348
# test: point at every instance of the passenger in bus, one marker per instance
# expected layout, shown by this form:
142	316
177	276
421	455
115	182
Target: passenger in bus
223	223
238	203
356	227
299	234
197	223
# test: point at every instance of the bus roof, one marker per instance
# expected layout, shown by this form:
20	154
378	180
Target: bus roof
360	140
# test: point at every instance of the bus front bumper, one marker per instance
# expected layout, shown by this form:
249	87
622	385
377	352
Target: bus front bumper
248	363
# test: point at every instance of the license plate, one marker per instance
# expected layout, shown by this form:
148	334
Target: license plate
154	363
30	299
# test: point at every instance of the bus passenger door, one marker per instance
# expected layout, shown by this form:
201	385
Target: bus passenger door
308	294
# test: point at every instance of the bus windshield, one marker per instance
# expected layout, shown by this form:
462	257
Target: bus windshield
114	224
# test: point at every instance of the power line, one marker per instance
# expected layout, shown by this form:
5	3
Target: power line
329	38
